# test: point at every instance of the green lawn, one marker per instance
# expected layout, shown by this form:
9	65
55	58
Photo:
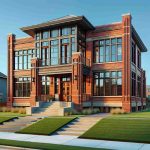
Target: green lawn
10	114
6	116
3	119
133	115
46	126
42	145
134	127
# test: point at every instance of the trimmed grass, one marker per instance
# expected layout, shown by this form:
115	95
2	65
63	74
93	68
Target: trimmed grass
42	145
46	126
9	114
4	119
122	128
139	115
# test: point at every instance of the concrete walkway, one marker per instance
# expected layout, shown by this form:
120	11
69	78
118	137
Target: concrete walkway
74	141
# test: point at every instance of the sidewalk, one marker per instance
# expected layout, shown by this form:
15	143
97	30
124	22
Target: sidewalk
74	141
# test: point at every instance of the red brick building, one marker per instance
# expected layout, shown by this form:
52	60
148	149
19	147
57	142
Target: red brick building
70	60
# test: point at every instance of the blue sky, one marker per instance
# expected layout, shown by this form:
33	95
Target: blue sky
18	13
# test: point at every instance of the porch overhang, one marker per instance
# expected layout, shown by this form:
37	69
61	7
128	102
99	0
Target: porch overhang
52	70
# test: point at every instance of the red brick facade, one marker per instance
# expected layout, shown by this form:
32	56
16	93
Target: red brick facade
76	70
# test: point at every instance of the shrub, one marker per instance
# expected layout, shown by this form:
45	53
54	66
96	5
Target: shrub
22	110
117	111
13	110
4	109
96	110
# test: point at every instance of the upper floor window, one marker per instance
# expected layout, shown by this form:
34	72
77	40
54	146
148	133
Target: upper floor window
54	33
139	59
45	35
23	59
65	31
68	31
133	53
109	50
37	36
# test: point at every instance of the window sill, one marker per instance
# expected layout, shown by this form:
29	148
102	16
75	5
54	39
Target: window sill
107	96
21	97
108	62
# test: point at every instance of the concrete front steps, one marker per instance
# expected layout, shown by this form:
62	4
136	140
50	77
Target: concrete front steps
78	126
55	108
17	124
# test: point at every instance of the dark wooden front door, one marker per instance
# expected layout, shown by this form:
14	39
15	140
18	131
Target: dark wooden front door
66	89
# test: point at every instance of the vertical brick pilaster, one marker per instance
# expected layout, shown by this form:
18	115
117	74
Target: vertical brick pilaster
34	81
89	55
10	40
126	48
77	77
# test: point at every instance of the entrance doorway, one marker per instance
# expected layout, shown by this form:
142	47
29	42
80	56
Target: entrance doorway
66	89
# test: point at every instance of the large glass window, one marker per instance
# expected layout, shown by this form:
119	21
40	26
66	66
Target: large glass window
133	83
22	87
23	59
107	83
65	51
109	50
54	52
57	46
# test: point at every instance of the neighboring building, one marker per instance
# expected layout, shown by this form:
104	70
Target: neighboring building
70	59
3	88
148	92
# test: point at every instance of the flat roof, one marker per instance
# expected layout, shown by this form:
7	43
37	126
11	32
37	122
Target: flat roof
138	40
3	75
67	20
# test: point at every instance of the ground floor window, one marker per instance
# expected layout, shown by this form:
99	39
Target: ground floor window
22	87
133	84
84	84
45	85
107	83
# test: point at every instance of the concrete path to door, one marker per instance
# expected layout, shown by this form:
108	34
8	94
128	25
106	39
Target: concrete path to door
75	141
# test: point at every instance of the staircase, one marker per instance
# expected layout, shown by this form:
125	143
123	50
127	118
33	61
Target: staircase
78	126
17	124
55	108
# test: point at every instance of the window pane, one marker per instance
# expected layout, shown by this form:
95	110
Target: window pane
66	31
119	86
113	41
107	42
101	87
107	53
54	33
113	87
119	52
45	35
119	40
